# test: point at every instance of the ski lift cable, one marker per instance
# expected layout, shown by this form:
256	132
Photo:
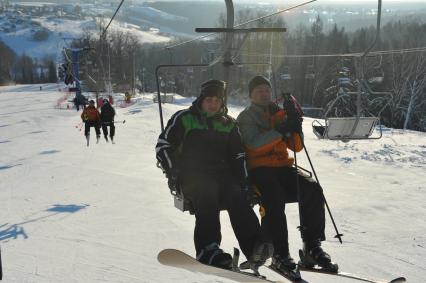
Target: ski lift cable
381	52
113	16
250	21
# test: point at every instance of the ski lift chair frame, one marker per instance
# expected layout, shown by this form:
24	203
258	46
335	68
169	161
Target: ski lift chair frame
347	128
353	128
179	200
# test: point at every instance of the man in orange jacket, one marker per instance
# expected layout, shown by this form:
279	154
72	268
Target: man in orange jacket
91	118
268	132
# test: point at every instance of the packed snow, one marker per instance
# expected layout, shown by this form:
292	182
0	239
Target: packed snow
72	213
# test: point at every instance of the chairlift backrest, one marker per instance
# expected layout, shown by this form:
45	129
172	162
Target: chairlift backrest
348	128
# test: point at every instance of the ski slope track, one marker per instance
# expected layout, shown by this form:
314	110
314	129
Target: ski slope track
71	213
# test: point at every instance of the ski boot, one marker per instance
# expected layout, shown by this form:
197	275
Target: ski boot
261	252
88	139
112	140
213	255
286	266
98	138
106	138
314	257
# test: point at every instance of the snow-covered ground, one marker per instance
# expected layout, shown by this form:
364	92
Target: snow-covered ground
20	38
71	213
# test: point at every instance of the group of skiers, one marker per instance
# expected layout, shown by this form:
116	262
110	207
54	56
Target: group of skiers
92	118
218	163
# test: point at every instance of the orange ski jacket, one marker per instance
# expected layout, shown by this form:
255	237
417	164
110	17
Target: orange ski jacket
90	114
266	147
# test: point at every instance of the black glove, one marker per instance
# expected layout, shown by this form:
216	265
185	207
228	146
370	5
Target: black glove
283	127
294	113
289	126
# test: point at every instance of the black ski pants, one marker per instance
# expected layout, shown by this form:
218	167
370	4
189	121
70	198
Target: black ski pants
88	125
278	186
111	129
209	195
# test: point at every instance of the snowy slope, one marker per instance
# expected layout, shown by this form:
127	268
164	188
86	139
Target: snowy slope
20	38
71	213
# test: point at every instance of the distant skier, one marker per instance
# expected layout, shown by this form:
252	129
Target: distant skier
107	119
267	132
201	153
79	100
91	118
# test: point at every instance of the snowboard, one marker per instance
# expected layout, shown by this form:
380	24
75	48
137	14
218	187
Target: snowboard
179	259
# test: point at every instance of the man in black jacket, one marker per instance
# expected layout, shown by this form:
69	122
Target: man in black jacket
107	119
202	155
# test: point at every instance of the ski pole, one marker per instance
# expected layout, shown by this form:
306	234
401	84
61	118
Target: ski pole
1	269
301	227
124	121
338	235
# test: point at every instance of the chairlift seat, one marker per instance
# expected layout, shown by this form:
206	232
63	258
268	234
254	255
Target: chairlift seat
165	98
347	128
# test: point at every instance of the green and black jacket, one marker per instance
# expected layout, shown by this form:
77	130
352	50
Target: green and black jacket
195	143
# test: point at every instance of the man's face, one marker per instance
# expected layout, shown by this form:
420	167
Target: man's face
261	95
211	104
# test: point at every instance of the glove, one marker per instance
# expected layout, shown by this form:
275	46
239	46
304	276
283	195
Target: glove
289	125
283	127
294	113
295	124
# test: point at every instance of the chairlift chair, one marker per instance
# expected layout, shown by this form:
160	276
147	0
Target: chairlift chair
352	128
346	129
377	76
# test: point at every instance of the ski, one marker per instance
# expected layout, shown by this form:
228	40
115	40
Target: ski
291	275
353	276
179	259
334	270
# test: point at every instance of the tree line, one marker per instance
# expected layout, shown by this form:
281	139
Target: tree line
320	68
24	69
